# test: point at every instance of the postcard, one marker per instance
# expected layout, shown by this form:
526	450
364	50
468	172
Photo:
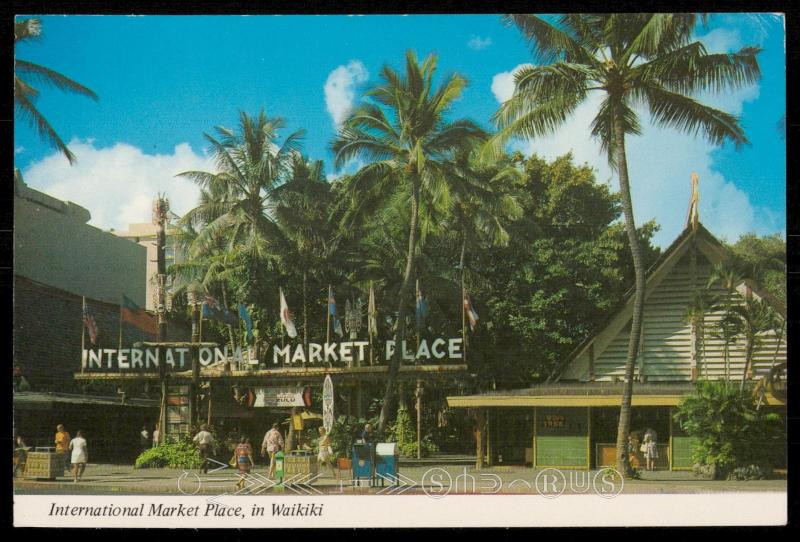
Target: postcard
414	270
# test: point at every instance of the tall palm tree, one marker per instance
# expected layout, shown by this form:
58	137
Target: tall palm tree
643	59
25	93
251	165
405	139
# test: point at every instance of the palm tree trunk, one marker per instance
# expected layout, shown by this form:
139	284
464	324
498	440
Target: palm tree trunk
400	332
748	360
623	430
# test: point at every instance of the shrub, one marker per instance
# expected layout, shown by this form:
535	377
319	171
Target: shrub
178	455
730	432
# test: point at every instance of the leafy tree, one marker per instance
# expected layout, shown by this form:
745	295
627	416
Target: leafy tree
25	93
764	259
251	164
405	139
631	59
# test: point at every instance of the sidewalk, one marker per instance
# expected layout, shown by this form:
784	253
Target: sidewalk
432	478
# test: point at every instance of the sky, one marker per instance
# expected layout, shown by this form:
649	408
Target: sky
164	81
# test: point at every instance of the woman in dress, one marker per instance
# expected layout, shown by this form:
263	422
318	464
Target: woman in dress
80	455
244	459
650	452
325	454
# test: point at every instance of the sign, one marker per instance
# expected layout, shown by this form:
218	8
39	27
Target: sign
357	351
131	359
277	397
327	404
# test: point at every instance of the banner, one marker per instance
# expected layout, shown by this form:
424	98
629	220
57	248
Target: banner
282	397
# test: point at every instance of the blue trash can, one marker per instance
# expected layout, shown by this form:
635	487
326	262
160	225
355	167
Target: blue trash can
386	462
363	457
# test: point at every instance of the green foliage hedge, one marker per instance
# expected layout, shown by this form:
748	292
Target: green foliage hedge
177	455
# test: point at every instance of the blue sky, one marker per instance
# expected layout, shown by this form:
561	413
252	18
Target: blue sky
163	81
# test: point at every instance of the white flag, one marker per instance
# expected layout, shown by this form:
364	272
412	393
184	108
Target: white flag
286	317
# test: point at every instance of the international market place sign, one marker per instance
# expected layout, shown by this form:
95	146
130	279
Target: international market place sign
151	358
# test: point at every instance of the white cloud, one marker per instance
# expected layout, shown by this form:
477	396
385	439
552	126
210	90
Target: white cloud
340	89
349	168
477	43
117	184
503	84
19	150
661	160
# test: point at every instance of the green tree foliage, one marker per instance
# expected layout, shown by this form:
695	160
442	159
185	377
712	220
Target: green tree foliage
403	432
729	431
26	74
764	259
175	455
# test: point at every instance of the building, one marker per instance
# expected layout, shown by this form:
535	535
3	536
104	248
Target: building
571	420
60	262
144	234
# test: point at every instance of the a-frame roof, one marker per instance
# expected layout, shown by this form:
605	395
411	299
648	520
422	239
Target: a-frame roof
708	245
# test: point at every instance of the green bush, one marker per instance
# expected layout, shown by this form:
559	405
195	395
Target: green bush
343	434
178	455
730	432
403	433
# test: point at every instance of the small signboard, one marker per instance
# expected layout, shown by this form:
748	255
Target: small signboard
282	397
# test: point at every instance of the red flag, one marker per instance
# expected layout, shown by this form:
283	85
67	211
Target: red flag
91	325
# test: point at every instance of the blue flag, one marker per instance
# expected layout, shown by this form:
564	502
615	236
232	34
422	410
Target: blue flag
422	311
248	323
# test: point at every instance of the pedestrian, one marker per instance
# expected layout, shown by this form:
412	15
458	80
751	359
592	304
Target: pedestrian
272	444
650	452
144	440
62	445
80	456
156	436
204	439
325	453
20	454
244	460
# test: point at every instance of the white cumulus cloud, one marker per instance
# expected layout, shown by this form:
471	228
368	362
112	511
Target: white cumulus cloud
340	89
117	184
477	43
661	160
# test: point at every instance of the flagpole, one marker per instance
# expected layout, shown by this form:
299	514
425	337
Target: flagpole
83	333
463	314
120	324
370	320
328	330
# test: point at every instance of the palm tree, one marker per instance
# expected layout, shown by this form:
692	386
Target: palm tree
633	60
25	93
251	165
405	139
727	276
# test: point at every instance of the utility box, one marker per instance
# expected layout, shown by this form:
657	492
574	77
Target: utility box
387	459
363	458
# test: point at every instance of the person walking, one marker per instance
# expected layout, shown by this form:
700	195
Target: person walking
244	460
325	453
156	436
62	445
144	440
204	440
20	455
650	452
272	444
80	456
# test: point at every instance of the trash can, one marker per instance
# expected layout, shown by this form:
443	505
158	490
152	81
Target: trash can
363	468
386	462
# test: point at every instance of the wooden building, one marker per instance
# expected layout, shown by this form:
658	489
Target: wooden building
570	421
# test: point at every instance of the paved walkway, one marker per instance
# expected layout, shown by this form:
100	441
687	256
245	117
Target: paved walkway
439	479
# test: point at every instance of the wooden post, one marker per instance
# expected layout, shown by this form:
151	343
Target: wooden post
479	433
489	457
589	439
83	333
208	418
535	422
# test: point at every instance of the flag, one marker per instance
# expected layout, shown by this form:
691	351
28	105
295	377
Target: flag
286	317
248	322
422	310
472	316
337	324
372	314
213	310
138	317
89	323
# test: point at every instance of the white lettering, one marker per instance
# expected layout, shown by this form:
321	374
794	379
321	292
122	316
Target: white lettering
455	348
299	354
314	353
285	352
122	359
438	354
136	358
205	355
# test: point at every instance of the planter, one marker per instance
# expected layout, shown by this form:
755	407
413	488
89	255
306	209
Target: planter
344	463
